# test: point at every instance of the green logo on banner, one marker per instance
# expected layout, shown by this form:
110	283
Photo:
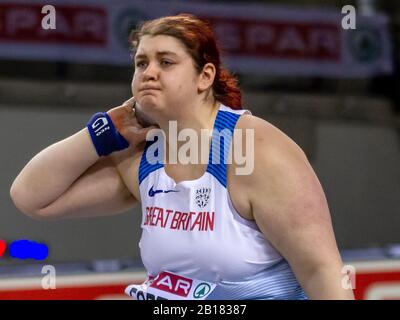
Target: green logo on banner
201	290
365	44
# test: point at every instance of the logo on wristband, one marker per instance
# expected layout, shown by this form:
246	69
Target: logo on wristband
99	124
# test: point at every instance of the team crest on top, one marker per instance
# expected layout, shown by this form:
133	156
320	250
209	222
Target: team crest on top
202	196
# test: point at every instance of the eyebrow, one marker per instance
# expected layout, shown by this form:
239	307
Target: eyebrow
159	53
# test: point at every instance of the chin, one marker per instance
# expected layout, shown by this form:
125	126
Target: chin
148	101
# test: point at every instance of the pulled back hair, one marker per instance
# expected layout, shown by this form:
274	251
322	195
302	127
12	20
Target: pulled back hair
198	37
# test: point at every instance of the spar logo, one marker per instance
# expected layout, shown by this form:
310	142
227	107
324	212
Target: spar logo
201	290
172	283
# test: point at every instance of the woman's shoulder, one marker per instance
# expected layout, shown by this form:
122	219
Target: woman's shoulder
264	145
266	135
268	155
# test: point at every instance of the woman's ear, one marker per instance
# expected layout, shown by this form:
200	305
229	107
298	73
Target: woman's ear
206	77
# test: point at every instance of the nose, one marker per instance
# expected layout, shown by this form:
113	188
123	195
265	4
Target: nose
151	72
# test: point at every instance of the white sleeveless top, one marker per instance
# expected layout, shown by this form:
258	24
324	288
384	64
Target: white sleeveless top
192	229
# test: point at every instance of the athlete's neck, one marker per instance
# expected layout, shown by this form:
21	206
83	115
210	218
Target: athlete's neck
197	123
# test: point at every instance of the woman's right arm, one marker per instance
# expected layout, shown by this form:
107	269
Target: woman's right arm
68	179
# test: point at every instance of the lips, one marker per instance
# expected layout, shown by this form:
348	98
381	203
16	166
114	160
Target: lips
149	92
149	88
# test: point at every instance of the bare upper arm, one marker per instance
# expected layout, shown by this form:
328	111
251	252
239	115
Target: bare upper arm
127	163
288	202
99	191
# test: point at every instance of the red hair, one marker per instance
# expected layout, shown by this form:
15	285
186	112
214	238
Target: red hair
199	40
